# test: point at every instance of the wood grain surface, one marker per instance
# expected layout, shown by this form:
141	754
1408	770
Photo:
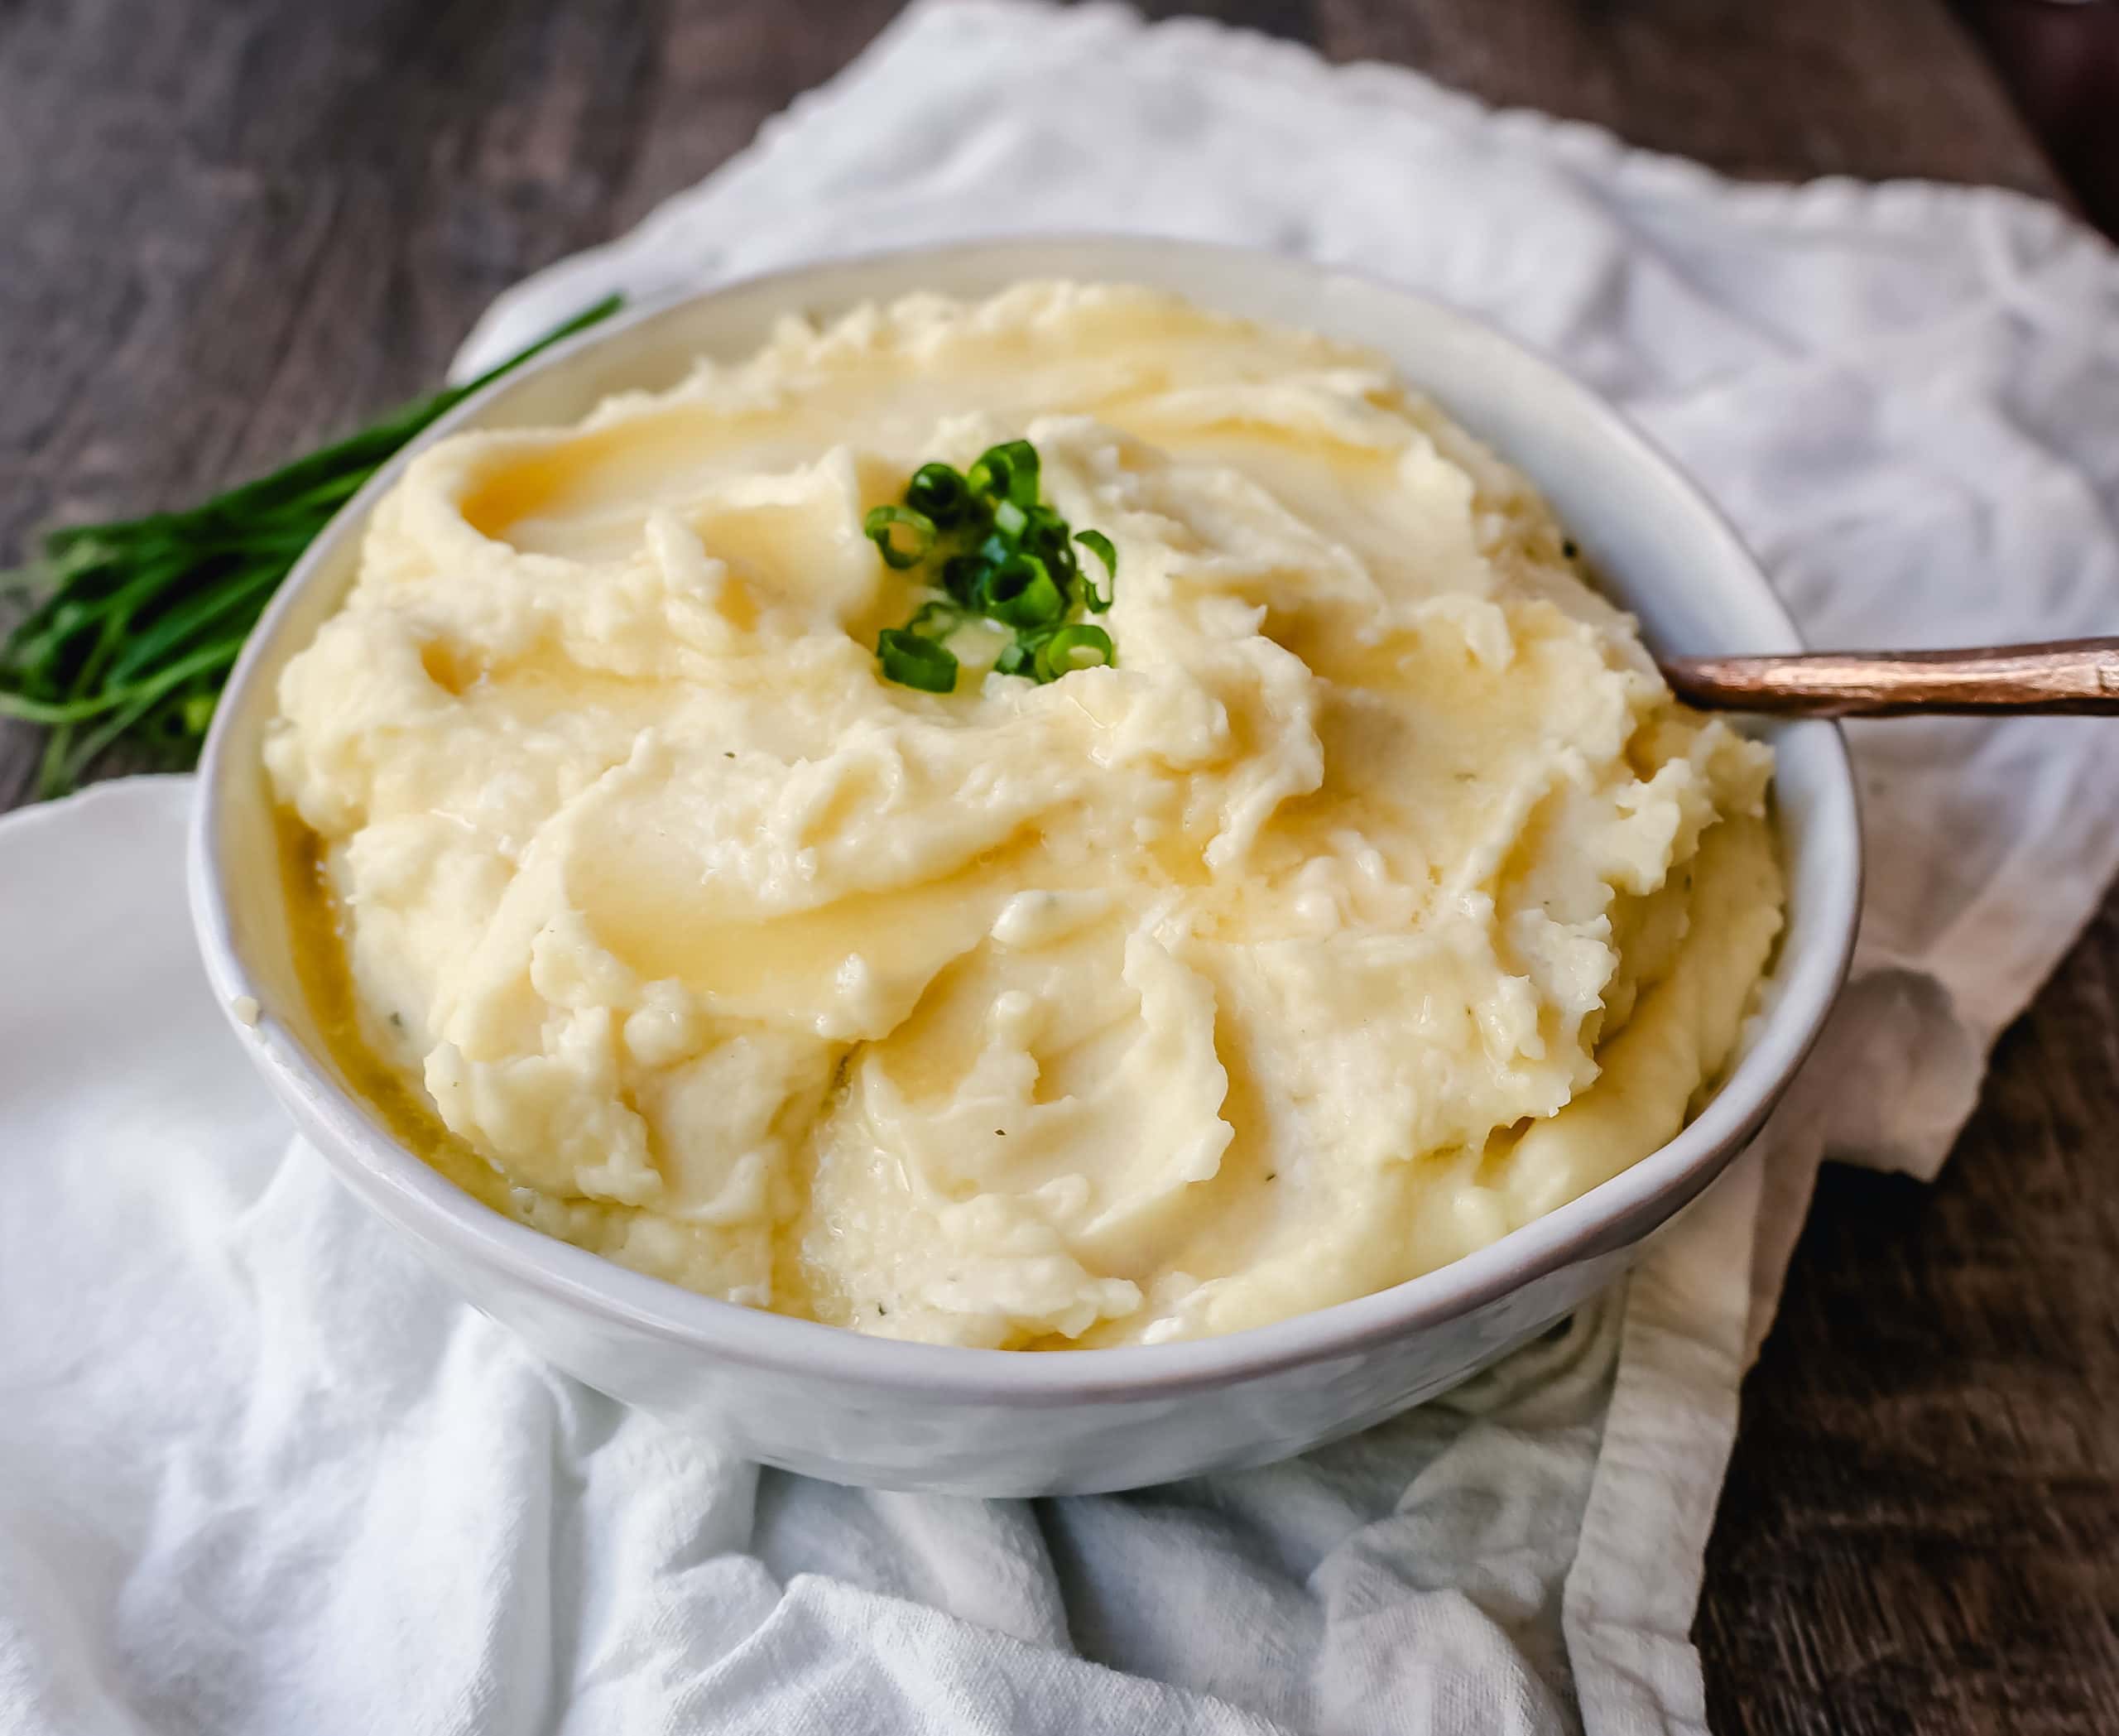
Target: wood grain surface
228	229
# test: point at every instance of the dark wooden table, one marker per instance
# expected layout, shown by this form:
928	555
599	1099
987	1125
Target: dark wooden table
227	229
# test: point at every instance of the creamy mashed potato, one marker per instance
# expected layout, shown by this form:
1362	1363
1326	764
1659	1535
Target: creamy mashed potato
1380	899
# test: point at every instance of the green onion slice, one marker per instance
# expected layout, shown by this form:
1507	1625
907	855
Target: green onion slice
1007	472
936	620
882	526
1045	525
939	493
1022	592
912	662
1078	646
1099	545
1020	658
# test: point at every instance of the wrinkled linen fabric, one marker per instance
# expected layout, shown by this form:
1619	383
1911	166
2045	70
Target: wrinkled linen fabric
260	1472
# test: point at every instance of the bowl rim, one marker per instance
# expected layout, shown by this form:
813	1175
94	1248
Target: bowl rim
390	1176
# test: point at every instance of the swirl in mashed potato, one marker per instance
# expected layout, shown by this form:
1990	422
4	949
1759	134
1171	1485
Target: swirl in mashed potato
1381	899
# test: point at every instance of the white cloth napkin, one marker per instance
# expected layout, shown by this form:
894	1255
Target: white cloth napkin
258	1472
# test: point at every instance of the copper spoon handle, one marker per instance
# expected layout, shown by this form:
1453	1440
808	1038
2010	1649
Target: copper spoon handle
2080	676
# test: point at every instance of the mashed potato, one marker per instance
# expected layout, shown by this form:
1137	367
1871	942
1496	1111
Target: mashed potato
1380	899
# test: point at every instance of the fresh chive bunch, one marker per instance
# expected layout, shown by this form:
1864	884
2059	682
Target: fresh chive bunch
989	548
141	620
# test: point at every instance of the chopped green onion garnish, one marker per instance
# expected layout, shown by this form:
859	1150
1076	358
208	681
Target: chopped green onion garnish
1078	646
882	527
1099	545
938	491
1020	591
1009	557
912	662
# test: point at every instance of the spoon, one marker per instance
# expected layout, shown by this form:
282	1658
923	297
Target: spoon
2077	676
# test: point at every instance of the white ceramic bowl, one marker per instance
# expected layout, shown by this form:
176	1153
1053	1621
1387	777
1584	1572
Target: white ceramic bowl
860	1410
